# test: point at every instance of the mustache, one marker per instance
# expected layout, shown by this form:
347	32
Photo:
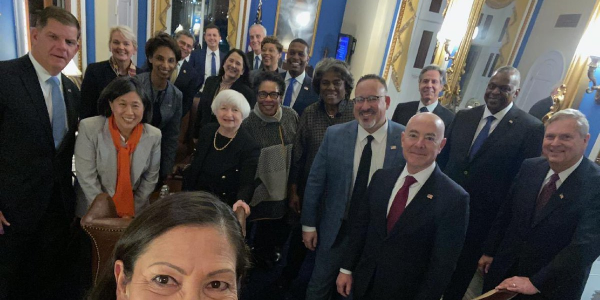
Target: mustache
370	110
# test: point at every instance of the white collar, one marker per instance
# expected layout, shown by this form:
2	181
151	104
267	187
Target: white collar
379	135
420	176
299	78
42	74
430	107
499	115
565	174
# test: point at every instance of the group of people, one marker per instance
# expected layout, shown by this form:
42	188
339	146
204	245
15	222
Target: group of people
401	208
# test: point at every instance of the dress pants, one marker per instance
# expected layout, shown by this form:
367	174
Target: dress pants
327	268
32	263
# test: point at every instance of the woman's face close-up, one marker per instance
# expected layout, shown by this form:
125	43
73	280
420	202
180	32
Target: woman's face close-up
332	88
121	48
268	104
233	66
163	62
229	116
186	262
127	111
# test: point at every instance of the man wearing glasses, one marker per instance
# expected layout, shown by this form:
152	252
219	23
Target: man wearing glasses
185	77
348	157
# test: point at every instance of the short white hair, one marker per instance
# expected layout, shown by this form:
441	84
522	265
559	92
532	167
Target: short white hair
264	30
583	126
231	97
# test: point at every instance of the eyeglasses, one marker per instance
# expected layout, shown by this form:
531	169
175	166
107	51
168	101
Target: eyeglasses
263	95
370	99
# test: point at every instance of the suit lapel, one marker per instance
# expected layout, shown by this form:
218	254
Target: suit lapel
110	164
468	132
503	129
381	203
32	85
140	157
393	147
72	114
350	136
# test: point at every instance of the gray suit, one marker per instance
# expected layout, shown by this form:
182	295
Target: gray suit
96	163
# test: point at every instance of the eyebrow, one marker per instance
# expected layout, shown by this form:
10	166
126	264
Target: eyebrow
178	269
217	272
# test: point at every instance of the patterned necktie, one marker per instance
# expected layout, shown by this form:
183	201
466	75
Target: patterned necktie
399	203
362	176
423	109
483	135
213	65
256	62
287	100
59	122
546	193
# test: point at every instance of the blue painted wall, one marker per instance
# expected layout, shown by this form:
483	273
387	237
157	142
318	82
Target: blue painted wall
330	24
591	110
141	31
8	37
90	31
534	16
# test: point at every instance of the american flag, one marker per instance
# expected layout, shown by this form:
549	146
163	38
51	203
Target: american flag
258	19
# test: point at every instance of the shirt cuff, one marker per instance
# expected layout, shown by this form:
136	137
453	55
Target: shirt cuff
308	229
344	271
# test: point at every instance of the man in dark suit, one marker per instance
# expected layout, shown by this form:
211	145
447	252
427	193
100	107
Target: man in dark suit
431	81
257	33
298	92
184	76
542	107
38	118
207	61
547	236
486	146
350	153
407	233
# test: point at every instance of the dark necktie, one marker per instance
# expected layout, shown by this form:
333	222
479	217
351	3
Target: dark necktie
546	193
59	122
287	100
483	135
423	109
362	176
399	203
256	62
213	65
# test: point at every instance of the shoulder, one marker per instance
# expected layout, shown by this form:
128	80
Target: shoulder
396	126
334	129
17	66
526	118
408	104
247	139
447	185
470	113
98	65
92	125
152	131
289	113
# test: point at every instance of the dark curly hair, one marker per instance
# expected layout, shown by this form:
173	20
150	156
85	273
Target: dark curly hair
161	39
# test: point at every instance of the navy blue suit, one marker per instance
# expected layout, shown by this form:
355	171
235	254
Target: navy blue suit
306	96
556	247
198	60
188	83
405	111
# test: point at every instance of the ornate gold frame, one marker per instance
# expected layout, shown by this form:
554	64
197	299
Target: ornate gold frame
312	43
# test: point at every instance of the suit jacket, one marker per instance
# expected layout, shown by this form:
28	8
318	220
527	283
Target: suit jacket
96	162
556	248
332	170
541	108
97	77
198	60
405	111
169	126
488	176
306	96
31	167
188	83
417	258
250	57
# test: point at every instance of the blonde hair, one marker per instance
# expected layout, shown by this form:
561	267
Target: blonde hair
126	32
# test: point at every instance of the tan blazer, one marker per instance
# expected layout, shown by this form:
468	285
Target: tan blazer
96	163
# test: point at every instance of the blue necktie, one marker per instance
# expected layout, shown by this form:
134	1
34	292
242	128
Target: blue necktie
213	65
59	122
483	135
256	61
288	93
423	109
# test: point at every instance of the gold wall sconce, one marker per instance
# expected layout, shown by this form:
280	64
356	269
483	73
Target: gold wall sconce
591	70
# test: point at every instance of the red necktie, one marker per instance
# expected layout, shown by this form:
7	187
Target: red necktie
546	193
399	203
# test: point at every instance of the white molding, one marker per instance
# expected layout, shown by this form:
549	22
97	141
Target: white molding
21	29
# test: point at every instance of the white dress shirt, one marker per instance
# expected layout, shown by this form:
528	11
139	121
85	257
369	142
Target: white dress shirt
208	62
430	107
254	60
297	85
43	77
499	116
562	175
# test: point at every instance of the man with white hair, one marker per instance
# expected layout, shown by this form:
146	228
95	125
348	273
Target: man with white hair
257	33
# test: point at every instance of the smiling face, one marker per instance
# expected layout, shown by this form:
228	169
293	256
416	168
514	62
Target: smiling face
430	86
256	36
121	48
229	116
333	89
54	45
270	56
212	38
186	262
127	111
186	44
268	105
422	141
297	57
563	145
163	62
371	115
501	91
233	66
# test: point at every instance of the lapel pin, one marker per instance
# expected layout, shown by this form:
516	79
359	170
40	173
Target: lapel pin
69	90
184	71
393	147
306	88
561	196
510	121
430	196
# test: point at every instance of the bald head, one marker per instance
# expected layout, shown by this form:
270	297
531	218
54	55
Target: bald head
422	141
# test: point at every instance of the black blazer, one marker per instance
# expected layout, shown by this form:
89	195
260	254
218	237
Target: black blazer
541	108
97	77
250	57
31	167
198	60
416	259
204	114
237	172
556	249
405	111
306	96
188	83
